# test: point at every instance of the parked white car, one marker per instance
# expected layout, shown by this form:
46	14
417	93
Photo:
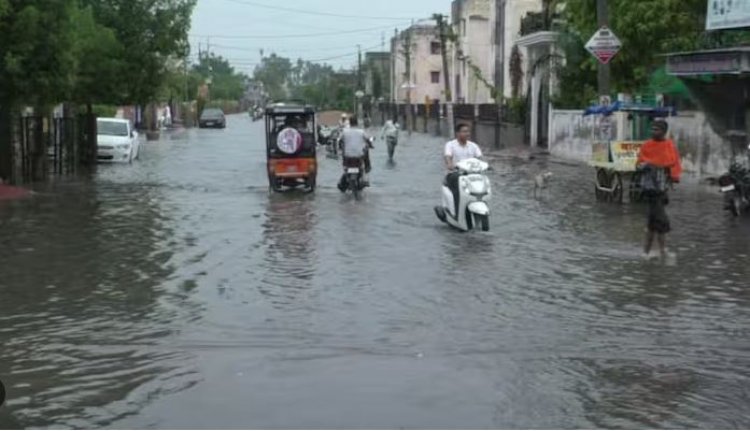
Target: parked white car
116	140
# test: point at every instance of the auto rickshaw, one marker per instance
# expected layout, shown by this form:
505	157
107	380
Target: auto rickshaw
291	146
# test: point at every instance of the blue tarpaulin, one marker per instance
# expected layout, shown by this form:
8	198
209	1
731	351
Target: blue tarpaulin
653	111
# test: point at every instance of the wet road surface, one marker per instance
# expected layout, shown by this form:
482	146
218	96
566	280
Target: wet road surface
176	293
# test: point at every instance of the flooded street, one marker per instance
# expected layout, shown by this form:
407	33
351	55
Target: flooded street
177	293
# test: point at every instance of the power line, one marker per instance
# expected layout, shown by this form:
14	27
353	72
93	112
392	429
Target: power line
247	59
250	62
310	12
301	49
343	56
290	36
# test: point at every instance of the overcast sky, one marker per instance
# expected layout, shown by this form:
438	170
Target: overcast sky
239	29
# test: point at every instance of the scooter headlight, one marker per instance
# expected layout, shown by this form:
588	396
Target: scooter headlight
477	187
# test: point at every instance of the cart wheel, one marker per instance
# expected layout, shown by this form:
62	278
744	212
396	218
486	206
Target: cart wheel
602	180
617	188
736	205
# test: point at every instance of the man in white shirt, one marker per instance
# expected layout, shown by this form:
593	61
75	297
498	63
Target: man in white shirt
461	148
456	151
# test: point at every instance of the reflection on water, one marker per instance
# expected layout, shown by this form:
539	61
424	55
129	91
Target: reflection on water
80	286
291	258
177	293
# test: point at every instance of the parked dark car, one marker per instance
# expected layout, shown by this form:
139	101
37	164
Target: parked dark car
212	117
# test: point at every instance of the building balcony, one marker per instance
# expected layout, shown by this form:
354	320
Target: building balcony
536	22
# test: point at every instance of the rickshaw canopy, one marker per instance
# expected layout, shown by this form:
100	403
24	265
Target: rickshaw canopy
289	109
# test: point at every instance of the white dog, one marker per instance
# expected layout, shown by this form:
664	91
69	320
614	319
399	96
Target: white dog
541	182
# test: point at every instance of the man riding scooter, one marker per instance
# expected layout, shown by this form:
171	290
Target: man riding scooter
456	151
355	150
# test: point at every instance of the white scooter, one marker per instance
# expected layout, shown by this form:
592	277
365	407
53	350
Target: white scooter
474	192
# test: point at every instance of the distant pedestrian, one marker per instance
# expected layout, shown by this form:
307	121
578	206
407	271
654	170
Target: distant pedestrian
659	165
390	135
344	122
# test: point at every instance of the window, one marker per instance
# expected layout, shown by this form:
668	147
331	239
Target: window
435	48
435	77
111	128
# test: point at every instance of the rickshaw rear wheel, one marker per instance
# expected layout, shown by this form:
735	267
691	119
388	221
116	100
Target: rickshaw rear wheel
274	184
311	184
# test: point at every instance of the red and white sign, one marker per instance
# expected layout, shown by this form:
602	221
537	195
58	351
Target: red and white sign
289	141
604	45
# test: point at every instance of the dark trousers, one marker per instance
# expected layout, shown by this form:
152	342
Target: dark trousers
658	221
451	181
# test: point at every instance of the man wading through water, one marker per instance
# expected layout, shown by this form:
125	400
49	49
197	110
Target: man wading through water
659	164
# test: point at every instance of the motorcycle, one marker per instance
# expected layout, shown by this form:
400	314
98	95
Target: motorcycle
324	133
354	176
474	191
333	141
735	185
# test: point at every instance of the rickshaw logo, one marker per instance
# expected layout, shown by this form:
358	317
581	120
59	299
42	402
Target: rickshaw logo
289	141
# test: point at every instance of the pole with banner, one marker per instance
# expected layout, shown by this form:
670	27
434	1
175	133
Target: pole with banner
602	17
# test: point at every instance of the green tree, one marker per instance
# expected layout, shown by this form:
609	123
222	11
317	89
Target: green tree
274	72
37	67
647	29
226	84
150	32
98	55
36	51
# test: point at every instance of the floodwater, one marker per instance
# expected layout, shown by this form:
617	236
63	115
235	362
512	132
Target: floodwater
177	293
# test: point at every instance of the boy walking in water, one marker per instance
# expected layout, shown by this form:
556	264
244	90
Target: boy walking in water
659	163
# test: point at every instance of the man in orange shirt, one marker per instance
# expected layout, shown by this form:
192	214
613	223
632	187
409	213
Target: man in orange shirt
659	163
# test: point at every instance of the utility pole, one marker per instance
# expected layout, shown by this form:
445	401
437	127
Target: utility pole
359	67
602	15
440	18
500	50
407	56
394	57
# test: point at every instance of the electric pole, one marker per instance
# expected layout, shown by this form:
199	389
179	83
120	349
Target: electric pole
407	56
394	57
500	50
602	15
440	18
359	67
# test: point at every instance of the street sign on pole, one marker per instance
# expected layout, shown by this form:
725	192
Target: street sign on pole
604	45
